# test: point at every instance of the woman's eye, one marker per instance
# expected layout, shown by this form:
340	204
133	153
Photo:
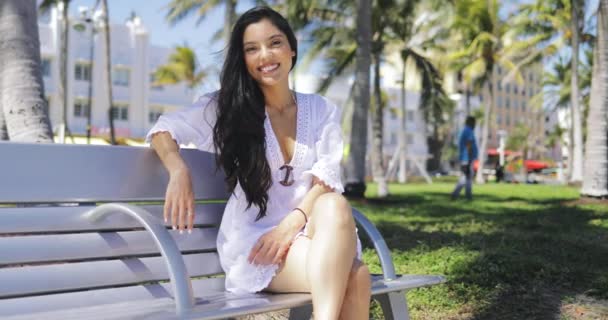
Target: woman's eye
276	43
250	49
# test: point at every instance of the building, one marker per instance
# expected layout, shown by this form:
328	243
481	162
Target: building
137	104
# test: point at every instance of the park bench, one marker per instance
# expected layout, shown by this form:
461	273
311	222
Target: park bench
82	237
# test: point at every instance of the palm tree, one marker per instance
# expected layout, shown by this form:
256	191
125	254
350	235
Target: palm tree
488	41
483	34
355	162
23	109
546	24
62	88
419	40
106	33
595	182
181	67
180	9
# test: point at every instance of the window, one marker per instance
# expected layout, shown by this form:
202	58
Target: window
409	139
531	76
508	88
120	111
82	71
499	101
153	116
515	104
515	89
393	140
410	116
46	67
120	76
499	85
481	97
523	106
499	70
508	120
499	119
81	108
507	103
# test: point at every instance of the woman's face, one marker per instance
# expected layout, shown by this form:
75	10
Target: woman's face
267	53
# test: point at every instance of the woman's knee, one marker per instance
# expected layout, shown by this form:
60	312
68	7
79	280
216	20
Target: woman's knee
334	210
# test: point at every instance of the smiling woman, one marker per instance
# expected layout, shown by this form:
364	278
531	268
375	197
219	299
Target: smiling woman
297	235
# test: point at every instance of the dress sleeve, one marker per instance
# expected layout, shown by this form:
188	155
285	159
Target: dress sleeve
329	146
190	125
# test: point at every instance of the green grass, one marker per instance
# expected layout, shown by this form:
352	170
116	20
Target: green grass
514	252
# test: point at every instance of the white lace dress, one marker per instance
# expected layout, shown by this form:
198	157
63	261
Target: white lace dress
318	152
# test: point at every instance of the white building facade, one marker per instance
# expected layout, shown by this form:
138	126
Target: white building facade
137	104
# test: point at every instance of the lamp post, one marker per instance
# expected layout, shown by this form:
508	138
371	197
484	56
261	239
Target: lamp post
90	21
502	135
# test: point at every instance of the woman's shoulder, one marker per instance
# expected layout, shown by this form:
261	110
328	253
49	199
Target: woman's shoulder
321	105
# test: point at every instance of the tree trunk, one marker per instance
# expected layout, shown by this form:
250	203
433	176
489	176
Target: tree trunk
106	32
378	170
24	108
485	131
403	130
229	19
355	163
63	69
577	165
595	182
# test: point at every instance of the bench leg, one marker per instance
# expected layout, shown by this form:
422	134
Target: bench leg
301	313
394	306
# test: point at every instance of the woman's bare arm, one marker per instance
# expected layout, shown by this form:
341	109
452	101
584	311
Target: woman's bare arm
179	198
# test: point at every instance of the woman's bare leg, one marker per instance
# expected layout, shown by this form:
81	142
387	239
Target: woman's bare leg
358	292
322	265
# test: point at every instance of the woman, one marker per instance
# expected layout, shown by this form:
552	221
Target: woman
286	228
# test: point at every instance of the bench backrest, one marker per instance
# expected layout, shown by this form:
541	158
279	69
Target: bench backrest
47	245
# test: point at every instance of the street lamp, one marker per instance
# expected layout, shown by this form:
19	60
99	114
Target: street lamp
91	21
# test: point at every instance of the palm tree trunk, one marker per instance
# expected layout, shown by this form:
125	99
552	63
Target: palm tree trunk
577	165
229	19
355	162
106	31
24	109
378	127
63	69
3	131
403	130
485	131
595	182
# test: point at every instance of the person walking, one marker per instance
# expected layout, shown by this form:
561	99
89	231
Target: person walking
467	153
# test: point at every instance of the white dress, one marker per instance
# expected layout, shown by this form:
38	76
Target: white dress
317	151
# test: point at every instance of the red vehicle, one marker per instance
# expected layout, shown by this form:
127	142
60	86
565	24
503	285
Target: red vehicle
493	158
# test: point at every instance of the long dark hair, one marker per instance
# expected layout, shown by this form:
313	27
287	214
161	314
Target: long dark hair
238	135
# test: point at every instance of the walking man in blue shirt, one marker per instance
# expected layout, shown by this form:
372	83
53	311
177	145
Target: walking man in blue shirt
467	151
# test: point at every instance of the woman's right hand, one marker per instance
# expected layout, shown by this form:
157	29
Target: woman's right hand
179	201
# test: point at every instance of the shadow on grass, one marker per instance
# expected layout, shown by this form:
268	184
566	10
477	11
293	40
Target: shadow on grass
530	256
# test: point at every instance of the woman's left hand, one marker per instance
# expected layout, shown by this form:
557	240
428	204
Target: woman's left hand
272	247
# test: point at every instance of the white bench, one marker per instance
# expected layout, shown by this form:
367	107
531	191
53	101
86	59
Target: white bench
82	237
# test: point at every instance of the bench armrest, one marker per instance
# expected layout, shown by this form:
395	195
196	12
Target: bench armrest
386	261
178	275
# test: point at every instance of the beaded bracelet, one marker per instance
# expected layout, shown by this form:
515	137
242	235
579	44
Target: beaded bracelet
302	211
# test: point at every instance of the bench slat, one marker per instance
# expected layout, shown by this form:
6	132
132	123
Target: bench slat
70	219
212	301
85	173
86	275
86	246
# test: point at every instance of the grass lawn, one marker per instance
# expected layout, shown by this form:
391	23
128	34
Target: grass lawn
514	252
